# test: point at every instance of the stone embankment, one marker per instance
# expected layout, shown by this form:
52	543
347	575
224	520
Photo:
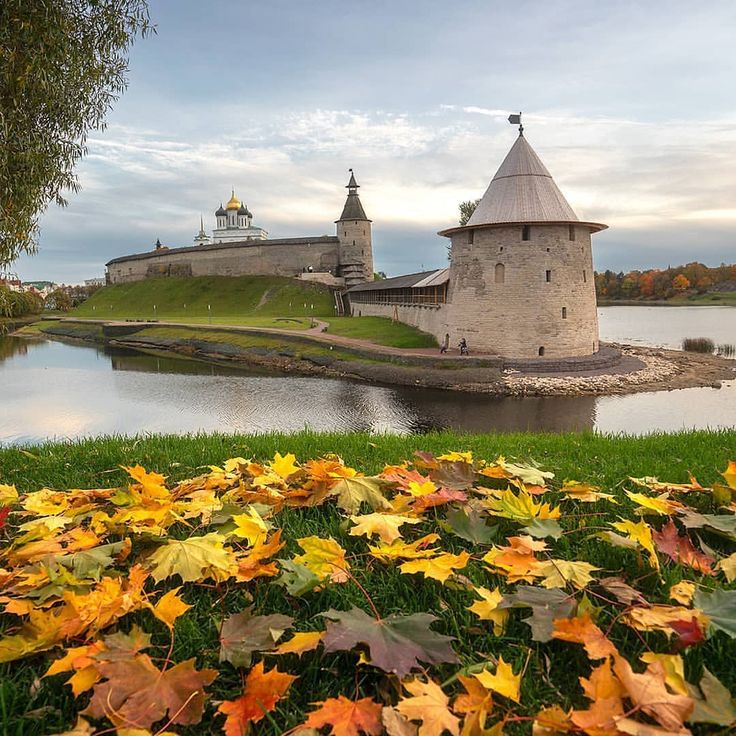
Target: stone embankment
617	369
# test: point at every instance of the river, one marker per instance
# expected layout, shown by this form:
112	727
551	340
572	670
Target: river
55	390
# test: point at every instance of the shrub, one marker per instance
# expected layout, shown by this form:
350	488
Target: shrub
698	345
727	350
18	304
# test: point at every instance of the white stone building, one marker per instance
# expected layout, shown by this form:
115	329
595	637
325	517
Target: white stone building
234	225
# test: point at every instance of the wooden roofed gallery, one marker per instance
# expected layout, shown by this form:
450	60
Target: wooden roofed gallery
426	287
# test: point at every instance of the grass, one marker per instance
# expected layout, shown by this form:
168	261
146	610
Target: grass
30	705
394	334
233	300
698	345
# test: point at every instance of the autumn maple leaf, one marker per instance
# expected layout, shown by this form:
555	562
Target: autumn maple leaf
429	705
347	717
582	630
680	549
261	693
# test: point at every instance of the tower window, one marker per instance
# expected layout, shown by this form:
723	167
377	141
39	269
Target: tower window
500	250
471	236
585	277
548	276
547	250
571	232
541	351
526	232
500	273
564	312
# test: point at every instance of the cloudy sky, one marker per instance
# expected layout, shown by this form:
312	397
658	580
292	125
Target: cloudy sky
631	105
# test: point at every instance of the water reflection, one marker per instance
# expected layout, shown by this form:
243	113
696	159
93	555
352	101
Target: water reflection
51	389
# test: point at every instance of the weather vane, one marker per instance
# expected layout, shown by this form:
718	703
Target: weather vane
516	120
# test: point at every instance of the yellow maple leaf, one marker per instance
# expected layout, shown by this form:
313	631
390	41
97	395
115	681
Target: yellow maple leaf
250	526
439	567
398	549
662	504
730	474
503	681
641	533
487	609
46	502
429	706
673	667
683	592
8	495
585	492
519	507
658	617
284	465
324	557
457	457
169	607
421	489
193	559
302	641
152	484
386	526
728	566
558	573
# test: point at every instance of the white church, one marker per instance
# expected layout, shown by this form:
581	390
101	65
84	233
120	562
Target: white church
234	225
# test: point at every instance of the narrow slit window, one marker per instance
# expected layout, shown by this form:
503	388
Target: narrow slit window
500	273
541	351
585	277
526	232
564	312
571	231
471	236
548	276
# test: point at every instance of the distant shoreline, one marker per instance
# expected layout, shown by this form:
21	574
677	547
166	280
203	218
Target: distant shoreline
662	303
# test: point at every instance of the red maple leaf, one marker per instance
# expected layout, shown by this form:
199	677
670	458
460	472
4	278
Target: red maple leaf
680	549
4	511
689	633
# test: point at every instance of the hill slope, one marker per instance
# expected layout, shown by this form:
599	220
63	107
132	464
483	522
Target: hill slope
233	300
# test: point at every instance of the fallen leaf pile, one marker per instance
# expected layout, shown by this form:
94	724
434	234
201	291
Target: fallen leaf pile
82	571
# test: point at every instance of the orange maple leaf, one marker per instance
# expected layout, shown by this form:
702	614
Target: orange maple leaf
261	693
582	630
347	717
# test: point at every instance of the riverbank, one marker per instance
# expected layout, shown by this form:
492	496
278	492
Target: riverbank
208	608
616	370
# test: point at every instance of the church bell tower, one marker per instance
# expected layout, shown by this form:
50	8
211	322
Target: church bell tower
356	241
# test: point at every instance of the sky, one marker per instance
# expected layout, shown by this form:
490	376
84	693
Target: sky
631	106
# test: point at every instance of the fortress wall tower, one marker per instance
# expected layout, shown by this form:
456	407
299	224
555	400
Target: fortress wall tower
521	270
356	241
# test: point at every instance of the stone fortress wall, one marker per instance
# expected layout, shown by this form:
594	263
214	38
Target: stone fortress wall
285	257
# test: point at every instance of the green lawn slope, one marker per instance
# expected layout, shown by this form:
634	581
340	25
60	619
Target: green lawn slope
233	300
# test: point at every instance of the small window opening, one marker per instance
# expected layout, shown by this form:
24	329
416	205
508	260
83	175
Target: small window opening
548	276
564	312
547	250
585	277
353	242
500	273
526	232
541	351
571	232
471	236
500	250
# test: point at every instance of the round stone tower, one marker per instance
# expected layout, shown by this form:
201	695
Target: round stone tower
356	242
521	270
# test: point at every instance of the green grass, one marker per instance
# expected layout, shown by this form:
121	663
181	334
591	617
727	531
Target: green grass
375	329
30	705
234	300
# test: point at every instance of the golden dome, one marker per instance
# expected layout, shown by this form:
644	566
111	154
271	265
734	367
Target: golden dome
233	204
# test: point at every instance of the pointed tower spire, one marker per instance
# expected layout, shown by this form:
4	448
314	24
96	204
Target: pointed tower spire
353	209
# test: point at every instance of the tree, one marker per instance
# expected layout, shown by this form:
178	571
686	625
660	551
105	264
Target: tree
680	283
466	210
58	299
64	63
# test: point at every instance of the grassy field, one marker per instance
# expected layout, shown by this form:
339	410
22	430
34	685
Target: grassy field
395	334
30	704
236	300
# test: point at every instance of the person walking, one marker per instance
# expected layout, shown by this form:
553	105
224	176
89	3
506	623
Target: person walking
445	344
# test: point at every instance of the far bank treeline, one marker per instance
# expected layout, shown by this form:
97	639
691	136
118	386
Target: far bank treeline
670	283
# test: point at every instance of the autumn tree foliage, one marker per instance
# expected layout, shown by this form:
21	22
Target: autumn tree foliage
665	283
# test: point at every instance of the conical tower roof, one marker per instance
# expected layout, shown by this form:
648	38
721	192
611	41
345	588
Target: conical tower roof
522	191
353	209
